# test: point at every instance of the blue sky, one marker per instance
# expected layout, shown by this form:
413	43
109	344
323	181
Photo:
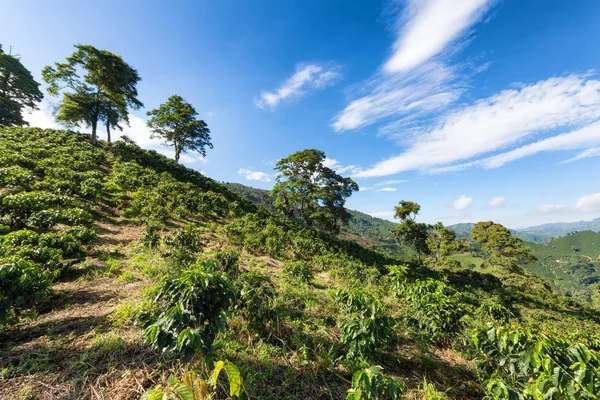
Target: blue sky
476	109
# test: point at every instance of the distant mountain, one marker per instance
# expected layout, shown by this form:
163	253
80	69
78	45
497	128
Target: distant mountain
570	263
562	228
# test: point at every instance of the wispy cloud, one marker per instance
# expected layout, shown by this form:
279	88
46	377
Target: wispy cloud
306	77
427	27
462	203
496	202
387	189
391	182
593	152
428	89
501	120
254	175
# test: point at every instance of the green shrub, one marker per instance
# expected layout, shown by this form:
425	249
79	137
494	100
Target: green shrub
190	310
256	293
523	363
23	284
368	327
296	271
227	261
371	384
436	309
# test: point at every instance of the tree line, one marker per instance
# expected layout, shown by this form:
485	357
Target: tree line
97	87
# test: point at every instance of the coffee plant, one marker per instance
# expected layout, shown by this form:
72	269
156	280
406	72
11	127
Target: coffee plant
190	310
367	328
297	272
522	363
193	387
436	309
254	302
371	384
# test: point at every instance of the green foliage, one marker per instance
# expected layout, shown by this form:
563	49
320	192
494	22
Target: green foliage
175	122
521	363
18	91
436	308
371	384
309	191
193	387
255	300
190	310
297	272
502	249
104	93
367	328
23	284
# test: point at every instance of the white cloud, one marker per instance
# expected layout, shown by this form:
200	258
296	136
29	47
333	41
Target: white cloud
427	89
504	119
496	202
390	182
387	189
588	204
254	175
337	167
462	203
428	26
552	208
307	76
593	152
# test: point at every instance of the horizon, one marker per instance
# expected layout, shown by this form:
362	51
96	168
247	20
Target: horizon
489	110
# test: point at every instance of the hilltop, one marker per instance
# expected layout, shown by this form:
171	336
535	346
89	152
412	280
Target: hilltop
130	268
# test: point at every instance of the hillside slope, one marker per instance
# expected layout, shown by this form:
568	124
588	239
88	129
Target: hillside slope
113	243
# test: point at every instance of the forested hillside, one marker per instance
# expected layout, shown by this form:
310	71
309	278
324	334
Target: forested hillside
121	270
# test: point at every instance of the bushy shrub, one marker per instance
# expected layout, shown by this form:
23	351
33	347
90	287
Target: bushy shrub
371	384
297	272
190	310
368	326
522	363
255	300
227	261
436	308
23	284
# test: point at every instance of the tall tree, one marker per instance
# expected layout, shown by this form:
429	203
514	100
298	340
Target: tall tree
409	232
175	123
502	249
308	190
18	90
104	93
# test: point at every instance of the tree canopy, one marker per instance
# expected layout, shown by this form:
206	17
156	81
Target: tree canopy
104	93
500	246
309	191
18	90
176	124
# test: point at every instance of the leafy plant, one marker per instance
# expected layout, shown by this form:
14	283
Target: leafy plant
367	328
23	284
371	384
255	298
297	271
521	363
436	308
193	387
190	310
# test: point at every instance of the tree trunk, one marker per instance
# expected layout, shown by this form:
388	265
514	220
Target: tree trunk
94	125
177	151
108	132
